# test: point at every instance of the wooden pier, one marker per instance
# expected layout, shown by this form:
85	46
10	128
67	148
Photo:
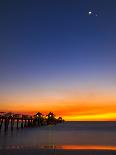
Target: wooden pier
11	121
24	122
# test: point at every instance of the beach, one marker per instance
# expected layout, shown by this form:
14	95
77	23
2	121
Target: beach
86	138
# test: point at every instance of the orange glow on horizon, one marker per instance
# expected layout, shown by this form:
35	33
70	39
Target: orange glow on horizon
72	106
76	115
96	117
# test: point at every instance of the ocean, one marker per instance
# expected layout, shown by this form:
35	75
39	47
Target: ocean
67	135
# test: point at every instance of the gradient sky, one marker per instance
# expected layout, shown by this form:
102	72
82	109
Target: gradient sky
54	56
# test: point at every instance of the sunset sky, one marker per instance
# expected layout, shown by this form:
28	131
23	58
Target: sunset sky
57	56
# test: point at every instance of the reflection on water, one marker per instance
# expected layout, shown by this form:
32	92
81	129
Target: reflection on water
70	135
61	147
87	147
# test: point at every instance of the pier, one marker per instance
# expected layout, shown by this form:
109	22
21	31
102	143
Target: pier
10	121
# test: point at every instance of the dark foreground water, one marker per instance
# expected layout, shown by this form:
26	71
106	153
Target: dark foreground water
65	136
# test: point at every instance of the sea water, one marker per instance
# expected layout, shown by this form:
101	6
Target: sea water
64	134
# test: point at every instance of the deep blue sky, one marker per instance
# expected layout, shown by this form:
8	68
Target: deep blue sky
48	40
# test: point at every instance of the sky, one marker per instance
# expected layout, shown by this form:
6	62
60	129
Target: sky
60	56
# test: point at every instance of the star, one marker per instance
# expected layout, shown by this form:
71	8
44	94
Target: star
96	14
93	13
89	12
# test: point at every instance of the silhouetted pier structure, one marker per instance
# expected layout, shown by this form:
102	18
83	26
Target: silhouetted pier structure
11	121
